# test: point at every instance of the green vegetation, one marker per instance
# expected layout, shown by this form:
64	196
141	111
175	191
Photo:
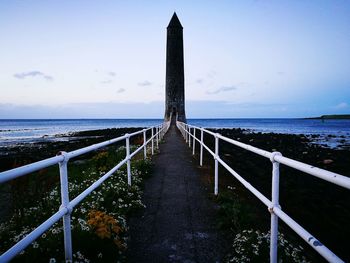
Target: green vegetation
305	198
332	117
254	245
99	226
250	243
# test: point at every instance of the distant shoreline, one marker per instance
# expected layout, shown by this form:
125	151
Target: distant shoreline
331	117
33	131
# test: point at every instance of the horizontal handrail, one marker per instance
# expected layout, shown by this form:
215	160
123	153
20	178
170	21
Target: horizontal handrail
23	170
273	205
96	184
334	178
29	168
67	206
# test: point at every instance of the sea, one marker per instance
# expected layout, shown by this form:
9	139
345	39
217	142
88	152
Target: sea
331	133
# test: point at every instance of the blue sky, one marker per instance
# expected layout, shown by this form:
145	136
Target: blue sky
106	59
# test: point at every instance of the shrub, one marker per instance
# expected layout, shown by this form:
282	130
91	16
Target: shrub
99	228
254	246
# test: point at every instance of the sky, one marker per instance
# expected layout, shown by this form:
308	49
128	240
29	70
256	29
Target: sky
106	59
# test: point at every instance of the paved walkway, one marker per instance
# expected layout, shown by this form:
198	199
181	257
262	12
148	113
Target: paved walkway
179	223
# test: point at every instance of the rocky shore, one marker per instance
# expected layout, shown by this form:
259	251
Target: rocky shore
20	154
24	153
321	207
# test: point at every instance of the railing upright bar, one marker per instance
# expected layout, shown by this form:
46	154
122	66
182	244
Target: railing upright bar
65	204
194	141
32	236
201	150
157	137
216	176
186	132
128	165
275	203
189	136
144	145
273	206
152	136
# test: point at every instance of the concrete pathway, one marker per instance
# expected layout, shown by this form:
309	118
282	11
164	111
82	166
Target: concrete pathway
179	223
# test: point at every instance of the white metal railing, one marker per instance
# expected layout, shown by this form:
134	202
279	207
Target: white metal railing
157	133
189	134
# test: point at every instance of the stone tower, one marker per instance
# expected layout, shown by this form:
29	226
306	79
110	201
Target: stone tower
175	80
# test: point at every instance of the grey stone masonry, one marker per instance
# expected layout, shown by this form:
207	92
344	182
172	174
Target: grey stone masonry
175	80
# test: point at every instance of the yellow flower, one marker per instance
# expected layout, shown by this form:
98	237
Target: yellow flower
105	226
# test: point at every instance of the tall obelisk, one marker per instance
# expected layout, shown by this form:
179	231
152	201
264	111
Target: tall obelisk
175	80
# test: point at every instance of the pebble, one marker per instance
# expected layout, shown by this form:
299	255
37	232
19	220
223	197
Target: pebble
328	161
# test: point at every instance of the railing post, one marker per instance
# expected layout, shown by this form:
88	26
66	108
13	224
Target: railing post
65	203
128	166
187	132
275	203
157	137
186	135
152	141
201	151
194	141
189	136
144	145
216	186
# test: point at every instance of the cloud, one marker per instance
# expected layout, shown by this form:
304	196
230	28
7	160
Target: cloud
109	74
33	73
84	110
211	74
48	78
342	105
155	109
199	81
222	89
121	90
106	81
144	83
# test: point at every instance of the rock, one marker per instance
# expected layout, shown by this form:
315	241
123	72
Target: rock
327	161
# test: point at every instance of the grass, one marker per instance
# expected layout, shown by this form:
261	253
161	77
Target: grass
249	232
246	221
99	223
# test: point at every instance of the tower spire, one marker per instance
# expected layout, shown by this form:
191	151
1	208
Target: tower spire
175	80
174	21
